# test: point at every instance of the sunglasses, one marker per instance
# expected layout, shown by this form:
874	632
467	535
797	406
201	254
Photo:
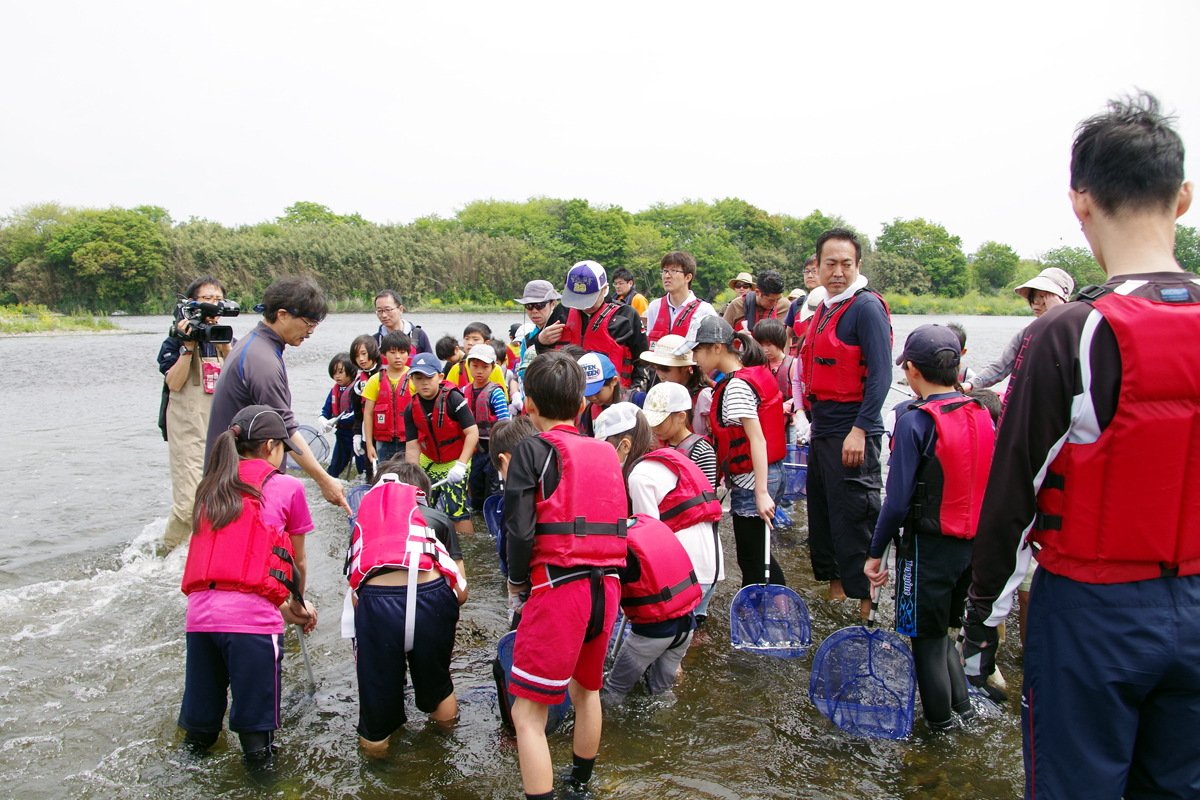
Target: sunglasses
537	306
740	285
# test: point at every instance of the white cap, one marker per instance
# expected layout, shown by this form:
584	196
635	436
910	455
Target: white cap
665	399
482	352
616	419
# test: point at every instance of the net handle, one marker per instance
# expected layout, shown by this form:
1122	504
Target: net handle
875	591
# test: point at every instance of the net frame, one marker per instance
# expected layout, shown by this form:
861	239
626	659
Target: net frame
864	681
504	654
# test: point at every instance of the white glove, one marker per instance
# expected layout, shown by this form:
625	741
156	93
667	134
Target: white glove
457	472
357	446
325	425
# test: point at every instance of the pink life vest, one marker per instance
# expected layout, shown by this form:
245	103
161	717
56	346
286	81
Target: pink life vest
693	500
247	555
667	587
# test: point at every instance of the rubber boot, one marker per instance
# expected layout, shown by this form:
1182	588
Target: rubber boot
199	742
257	747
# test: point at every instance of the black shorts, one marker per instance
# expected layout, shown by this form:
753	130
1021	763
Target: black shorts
380	658
933	573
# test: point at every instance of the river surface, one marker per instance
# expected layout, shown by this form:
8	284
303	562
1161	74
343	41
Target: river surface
92	636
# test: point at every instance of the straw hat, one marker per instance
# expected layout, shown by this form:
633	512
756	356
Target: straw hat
662	352
743	277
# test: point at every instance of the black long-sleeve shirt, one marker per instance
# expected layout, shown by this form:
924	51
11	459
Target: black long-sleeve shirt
625	327
1045	406
533	460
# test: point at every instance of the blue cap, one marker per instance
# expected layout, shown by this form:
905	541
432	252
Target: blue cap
597	369
585	281
924	343
425	364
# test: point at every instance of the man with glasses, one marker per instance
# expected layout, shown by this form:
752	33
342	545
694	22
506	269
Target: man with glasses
539	301
390	312
680	311
764	302
255	374
801	310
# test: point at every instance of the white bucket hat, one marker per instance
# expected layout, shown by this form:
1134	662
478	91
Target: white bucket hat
1052	280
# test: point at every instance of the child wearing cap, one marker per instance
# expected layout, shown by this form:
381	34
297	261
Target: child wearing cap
476	333
673	367
941	454
747	423
659	585
603	389
245	558
565	517
668	406
488	406
441	435
385	403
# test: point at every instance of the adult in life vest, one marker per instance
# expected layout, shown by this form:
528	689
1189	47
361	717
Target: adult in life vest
1097	437
659	593
765	301
598	325
680	311
190	367
846	359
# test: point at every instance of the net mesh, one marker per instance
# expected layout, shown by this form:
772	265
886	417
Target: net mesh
795	472
557	713
493	515
354	496
771	620
316	442
864	681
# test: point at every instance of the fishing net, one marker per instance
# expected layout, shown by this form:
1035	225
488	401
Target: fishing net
493	515
864	681
316	442
795	472
771	620
504	659
354	496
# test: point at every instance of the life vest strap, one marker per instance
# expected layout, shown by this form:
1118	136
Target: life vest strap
582	527
825	362
1055	480
1047	522
665	594
703	497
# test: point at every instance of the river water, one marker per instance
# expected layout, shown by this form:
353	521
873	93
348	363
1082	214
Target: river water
92	638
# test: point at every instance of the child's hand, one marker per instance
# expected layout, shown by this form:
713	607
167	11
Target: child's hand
766	508
876	572
296	614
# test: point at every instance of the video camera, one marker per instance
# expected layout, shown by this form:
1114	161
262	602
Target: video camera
197	314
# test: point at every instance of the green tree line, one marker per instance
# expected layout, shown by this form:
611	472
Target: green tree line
138	259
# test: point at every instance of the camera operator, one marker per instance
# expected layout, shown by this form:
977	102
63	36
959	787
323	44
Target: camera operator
291	308
190	369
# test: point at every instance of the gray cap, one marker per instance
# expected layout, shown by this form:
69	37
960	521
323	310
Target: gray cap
711	330
1052	280
537	292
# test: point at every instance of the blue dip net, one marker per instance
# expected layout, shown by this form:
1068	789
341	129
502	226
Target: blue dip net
771	620
493	515
557	713
354	496
864	681
795	472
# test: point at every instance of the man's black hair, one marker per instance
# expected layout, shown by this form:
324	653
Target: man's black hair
300	297
445	347
808	262
482	328
845	234
771	331
193	289
505	436
555	383
683	260
944	372
395	340
392	295
622	274
769	282
960	332
512	330
346	362
1128	158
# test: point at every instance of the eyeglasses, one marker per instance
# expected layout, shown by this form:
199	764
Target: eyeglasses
671	271
310	323
382	311
741	285
810	272
537	306
210	298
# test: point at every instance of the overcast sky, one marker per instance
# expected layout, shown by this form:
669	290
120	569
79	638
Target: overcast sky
961	113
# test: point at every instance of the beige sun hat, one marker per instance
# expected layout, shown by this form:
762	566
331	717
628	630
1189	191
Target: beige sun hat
662	352
743	277
1052	280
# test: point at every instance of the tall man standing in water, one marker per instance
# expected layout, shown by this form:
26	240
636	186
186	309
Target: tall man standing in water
1096	463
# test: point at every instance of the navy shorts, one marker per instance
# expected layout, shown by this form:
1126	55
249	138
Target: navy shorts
380	658
933	573
250	665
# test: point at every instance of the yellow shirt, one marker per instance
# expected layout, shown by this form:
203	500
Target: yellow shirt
371	390
461	378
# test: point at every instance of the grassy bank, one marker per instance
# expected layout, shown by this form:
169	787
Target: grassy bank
971	304
434	305
39	319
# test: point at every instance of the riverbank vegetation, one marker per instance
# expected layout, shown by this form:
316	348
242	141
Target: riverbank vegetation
137	259
19	319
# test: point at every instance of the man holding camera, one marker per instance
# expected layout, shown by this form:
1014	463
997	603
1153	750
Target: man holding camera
190	364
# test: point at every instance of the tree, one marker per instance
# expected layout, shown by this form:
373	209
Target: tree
108	258
889	272
303	212
995	265
598	234
1187	248
931	246
1078	262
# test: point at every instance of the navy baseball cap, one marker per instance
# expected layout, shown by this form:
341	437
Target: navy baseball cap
425	364
923	345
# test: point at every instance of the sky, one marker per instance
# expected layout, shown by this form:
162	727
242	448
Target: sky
960	113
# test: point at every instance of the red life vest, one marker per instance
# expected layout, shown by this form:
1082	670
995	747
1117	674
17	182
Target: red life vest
751	311
595	338
662	321
693	500
733	446
440	437
689	444
783	376
390	405
1125	507
388	524
583	522
247	555
950	485
512	356
667	587
481	407
341	400
834	370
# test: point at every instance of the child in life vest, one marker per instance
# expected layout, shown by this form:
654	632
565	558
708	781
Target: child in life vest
238	604
773	336
941	455
680	368
747	422
488	406
338	415
376	613
603	389
386	401
441	436
566	517
660	589
476	333
448	351
364	352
